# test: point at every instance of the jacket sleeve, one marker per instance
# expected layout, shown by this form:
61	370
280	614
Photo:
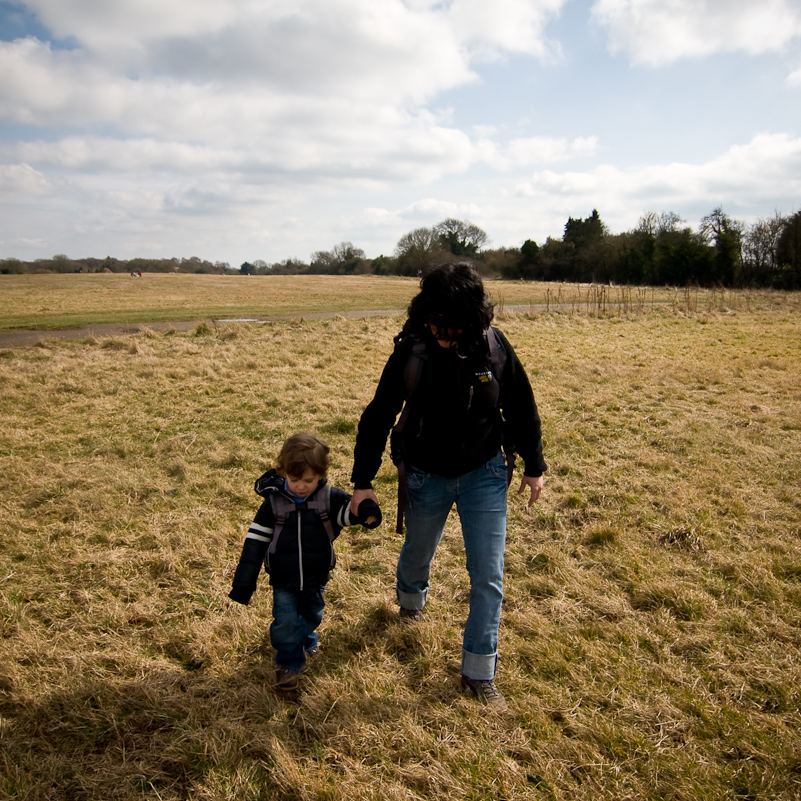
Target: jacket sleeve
254	550
520	412
379	417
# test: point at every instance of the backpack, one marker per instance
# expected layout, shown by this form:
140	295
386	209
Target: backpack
411	378
283	506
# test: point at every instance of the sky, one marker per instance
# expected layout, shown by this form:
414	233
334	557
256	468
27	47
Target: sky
236	130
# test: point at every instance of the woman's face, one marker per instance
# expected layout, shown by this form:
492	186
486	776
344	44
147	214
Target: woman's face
446	334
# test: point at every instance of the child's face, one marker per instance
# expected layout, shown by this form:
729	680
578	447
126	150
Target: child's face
304	485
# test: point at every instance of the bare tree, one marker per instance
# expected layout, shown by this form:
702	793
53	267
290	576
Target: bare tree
654	224
761	242
417	251
461	237
727	235
342	259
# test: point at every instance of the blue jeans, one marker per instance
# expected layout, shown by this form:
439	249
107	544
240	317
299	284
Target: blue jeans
480	498
296	615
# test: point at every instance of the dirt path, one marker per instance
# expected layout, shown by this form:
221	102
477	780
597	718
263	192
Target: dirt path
18	338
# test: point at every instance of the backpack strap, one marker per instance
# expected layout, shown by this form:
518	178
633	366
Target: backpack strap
411	378
282	506
497	353
321	503
497	363
401	496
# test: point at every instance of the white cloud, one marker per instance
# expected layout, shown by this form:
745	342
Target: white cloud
356	48
226	127
316	89
434	210
22	181
748	180
540	149
97	154
515	25
745	175
657	32
333	87
106	26
39	85
505	25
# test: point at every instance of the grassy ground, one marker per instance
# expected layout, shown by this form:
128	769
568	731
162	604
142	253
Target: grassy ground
651	635
61	301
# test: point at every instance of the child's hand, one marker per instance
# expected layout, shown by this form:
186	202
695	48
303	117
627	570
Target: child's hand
358	496
369	513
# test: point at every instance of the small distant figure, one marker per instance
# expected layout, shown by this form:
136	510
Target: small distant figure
293	536
136	274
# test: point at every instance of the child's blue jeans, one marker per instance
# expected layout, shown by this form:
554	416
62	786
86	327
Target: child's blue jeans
480	498
296	615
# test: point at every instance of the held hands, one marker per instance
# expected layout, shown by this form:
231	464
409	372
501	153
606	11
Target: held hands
369	513
364	505
358	496
535	483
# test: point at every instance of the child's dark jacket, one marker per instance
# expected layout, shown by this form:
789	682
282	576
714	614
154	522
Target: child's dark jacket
304	554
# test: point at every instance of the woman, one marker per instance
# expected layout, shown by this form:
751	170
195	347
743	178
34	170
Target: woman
450	448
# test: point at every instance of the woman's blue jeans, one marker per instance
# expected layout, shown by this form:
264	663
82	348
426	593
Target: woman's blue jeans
296	615
480	498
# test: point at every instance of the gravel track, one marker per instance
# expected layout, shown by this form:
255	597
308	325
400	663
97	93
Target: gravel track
19	338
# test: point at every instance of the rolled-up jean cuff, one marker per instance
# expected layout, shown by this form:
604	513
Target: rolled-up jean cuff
411	600
479	666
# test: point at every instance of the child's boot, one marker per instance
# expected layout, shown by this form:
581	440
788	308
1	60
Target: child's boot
287	679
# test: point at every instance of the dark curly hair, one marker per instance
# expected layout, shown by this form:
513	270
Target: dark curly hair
452	296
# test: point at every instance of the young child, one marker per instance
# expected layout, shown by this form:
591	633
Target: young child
293	535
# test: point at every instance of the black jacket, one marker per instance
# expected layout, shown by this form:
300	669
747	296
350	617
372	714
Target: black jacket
456	415
304	554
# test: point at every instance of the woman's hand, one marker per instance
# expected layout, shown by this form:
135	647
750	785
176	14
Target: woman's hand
535	483
358	496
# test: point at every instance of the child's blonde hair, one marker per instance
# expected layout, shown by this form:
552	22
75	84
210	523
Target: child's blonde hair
302	452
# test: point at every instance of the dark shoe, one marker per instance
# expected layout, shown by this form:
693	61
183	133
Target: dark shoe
486	692
287	679
312	652
411	614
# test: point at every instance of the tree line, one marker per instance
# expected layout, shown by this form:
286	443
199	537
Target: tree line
63	264
660	250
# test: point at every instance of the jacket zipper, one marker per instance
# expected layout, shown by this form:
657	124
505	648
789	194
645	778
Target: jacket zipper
300	552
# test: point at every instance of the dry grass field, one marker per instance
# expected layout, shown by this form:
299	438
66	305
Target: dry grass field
69	300
651	636
63	300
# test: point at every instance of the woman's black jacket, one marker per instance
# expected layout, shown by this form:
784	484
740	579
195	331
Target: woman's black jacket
457	412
